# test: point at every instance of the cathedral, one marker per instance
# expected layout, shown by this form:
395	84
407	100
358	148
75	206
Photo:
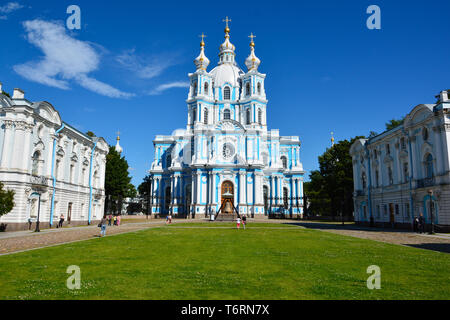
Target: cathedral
226	161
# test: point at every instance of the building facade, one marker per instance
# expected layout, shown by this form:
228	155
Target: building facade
405	171
226	160
53	168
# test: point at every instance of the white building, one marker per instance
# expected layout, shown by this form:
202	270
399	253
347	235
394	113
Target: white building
401	172
226	159
43	158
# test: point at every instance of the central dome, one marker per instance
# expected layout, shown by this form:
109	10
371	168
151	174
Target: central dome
226	73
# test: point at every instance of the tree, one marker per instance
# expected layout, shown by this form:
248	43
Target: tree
6	200
330	189
391	124
144	187
90	134
144	192
6	94
117	181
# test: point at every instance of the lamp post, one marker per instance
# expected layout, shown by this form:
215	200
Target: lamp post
430	193
39	210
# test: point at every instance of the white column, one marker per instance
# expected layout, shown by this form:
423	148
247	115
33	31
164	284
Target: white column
242	186
7	144
19	136
26	160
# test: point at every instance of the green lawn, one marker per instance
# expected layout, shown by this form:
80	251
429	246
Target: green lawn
266	261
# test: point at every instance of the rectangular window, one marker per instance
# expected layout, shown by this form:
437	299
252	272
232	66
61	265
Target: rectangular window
378	211
407	210
385	209
397	209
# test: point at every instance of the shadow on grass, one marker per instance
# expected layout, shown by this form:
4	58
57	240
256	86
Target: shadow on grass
349	226
441	247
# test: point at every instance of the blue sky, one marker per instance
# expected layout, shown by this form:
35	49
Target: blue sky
126	69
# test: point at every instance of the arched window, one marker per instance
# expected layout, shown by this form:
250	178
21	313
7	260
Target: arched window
248	116
226	93
285	197
168	161
226	114
194	93
284	161
260	116
391	179
429	166
247	89
425	134
167	199
205	116
363	180
194	115
206	88
259	88
35	163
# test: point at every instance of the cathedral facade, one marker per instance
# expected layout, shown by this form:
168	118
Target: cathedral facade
226	160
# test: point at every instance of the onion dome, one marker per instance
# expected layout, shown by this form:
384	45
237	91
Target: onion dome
252	62
201	62
118	147
226	53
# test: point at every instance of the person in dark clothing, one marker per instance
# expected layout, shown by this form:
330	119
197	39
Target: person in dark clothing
61	221
421	224
244	221
416	224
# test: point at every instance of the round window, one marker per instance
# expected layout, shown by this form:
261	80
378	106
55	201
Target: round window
227	151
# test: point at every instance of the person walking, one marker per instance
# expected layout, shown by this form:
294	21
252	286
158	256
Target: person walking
244	221
238	222
115	220
102	226
421	223
170	218
416	224
109	220
61	221
118	220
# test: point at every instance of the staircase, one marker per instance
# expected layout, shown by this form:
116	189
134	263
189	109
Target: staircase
226	217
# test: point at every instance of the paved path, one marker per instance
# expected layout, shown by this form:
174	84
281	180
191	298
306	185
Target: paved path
438	242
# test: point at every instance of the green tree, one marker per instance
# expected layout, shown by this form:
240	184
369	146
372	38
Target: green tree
144	187
391	124
330	189
6	94
117	181
90	134
6	200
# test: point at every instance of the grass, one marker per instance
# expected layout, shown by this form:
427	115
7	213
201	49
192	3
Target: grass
192	261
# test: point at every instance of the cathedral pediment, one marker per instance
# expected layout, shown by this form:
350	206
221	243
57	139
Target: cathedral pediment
229	125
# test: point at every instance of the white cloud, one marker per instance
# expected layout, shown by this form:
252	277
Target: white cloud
65	59
145	67
8	8
163	87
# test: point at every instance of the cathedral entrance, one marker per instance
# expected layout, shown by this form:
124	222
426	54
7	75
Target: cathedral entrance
227	197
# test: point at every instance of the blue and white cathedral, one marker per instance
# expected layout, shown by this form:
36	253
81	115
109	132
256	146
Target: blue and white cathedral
226	161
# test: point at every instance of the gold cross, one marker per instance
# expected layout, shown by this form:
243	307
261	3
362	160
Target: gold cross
251	36
226	20
202	36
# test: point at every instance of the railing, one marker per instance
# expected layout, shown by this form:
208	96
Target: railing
39	180
427	182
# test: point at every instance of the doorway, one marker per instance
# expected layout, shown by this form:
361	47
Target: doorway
69	212
227	197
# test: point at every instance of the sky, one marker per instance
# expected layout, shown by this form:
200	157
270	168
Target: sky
126	68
